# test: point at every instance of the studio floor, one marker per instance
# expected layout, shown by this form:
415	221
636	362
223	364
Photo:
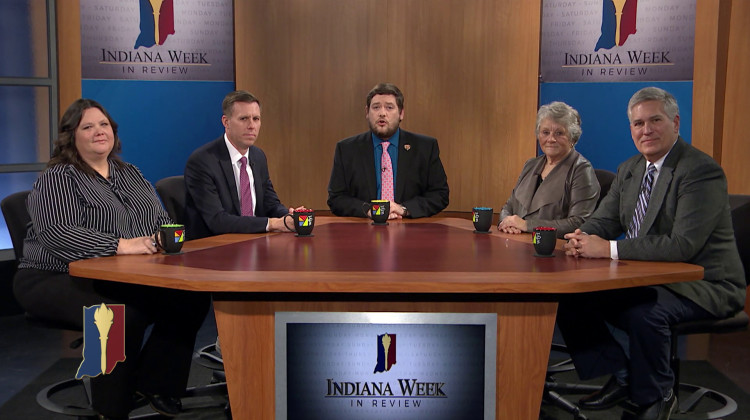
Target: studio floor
27	351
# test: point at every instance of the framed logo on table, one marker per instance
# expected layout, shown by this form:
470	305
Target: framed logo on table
375	365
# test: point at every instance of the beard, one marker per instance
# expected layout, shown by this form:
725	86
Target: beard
384	133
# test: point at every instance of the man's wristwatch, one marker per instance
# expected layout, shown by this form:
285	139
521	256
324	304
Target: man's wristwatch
406	211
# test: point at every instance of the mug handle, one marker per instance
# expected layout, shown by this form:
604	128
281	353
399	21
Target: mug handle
366	209
157	239
291	229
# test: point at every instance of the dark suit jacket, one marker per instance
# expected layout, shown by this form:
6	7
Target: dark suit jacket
564	200
212	206
688	219
421	183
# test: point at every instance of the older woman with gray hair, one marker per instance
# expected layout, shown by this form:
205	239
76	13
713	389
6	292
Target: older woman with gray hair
558	188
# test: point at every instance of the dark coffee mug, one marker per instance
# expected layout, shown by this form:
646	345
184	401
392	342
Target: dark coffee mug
379	211
544	240
304	221
482	218
170	238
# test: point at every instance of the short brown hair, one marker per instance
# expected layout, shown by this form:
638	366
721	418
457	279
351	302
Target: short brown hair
234	97
387	89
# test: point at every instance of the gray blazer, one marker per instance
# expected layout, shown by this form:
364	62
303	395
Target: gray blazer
688	219
564	200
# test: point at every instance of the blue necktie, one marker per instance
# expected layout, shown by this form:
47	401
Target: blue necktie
642	204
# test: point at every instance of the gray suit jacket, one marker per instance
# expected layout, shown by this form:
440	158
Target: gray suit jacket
564	200
688	219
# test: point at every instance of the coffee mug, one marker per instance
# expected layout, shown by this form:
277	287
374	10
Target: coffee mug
544	240
379	211
304	221
170	238
482	218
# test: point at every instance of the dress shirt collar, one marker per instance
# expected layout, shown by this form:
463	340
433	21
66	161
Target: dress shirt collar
394	139
234	155
659	163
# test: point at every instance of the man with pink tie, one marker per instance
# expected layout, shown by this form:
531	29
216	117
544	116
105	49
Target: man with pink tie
387	163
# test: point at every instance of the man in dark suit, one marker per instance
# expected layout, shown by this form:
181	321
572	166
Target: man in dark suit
414	178
676	211
214	178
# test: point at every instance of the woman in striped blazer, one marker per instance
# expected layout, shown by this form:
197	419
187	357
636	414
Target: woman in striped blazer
88	203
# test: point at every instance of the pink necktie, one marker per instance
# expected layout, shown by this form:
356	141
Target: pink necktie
246	195
386	174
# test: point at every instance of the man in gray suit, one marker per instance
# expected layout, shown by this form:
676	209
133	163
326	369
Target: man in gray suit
671	202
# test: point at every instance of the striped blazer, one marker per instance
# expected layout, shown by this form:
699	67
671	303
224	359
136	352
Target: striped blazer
75	216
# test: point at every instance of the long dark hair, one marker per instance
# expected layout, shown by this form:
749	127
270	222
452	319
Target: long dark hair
65	151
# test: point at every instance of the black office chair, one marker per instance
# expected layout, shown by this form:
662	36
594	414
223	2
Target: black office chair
689	395
605	179
18	219
172	192
553	390
51	397
740	205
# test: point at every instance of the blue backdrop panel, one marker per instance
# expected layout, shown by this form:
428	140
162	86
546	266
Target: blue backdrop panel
161	123
606	140
18	115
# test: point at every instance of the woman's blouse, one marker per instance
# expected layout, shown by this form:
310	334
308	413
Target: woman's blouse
564	200
75	216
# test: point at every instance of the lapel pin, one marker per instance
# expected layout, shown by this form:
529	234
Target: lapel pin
407	147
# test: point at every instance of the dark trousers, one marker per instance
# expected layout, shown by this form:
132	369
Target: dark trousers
158	365
644	314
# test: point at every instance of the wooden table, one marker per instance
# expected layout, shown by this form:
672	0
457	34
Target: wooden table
427	265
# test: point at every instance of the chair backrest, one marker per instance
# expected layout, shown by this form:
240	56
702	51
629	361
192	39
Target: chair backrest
17	218
740	205
605	179
172	192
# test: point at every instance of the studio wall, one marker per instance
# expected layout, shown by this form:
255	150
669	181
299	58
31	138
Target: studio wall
721	90
468	71
735	151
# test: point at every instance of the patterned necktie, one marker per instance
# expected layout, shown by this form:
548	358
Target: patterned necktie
246	195
386	174
642	204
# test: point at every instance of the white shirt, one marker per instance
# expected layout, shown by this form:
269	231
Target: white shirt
234	157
